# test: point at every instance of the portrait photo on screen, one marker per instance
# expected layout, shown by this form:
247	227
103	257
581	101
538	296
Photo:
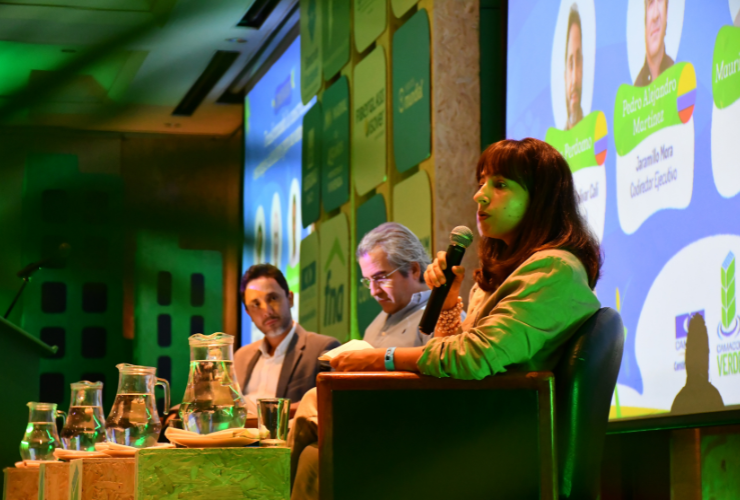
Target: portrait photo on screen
653	34
573	62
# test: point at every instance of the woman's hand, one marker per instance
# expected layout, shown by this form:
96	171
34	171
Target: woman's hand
434	277
368	360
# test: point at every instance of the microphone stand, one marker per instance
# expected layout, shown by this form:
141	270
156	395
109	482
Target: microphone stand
17	296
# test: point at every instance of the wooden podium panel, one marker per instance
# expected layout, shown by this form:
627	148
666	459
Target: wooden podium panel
402	435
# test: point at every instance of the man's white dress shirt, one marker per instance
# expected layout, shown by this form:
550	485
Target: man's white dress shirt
266	373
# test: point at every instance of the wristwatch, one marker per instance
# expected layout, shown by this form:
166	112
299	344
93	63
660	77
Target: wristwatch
389	364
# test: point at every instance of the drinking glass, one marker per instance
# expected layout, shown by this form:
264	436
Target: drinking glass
272	421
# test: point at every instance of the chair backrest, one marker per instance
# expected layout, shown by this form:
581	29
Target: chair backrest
584	384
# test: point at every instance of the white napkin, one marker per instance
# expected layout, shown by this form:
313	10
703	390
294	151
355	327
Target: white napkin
173	434
122	447
63	454
352	345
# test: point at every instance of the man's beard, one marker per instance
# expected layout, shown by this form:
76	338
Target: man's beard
277	331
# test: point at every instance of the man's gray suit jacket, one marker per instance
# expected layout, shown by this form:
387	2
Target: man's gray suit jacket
300	367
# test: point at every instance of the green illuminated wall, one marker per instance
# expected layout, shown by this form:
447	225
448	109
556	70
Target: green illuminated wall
77	307
178	293
112	198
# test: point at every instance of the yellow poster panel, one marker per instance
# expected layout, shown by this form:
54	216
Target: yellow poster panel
369	138
308	309
412	207
370	18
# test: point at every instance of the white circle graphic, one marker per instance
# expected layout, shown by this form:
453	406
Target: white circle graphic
691	281
260	237
557	65
294	224
276	232
636	33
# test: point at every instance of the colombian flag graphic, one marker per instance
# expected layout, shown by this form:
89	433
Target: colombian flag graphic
686	93
601	138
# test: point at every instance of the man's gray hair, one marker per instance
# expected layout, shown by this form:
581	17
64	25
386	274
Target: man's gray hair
400	245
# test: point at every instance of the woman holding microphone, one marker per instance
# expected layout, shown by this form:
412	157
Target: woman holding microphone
534	287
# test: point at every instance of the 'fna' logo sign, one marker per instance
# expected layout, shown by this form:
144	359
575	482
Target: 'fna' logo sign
728	329
333	302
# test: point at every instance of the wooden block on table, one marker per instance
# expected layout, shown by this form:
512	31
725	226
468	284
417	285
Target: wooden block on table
21	483
210	473
102	478
54	481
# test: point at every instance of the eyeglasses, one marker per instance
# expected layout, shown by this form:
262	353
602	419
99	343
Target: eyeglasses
380	280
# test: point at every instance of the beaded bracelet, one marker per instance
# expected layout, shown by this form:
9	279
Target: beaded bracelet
449	320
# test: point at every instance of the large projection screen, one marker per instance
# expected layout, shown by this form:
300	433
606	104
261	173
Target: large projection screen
642	97
273	127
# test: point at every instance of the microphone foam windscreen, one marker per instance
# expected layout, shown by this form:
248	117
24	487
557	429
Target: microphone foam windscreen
461	236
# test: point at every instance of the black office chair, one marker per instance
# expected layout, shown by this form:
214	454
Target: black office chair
584	383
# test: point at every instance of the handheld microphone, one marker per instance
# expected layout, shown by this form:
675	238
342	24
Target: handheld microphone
56	259
460	238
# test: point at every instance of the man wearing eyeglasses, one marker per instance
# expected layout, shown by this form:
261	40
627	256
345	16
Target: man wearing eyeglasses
393	261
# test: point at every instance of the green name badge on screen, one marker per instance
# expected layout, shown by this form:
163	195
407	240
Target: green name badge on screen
642	111
726	67
654	138
585	144
584	147
726	112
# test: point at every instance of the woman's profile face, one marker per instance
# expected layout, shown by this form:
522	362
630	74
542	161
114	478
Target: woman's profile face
502	204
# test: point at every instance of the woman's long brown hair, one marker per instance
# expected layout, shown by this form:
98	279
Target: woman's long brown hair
552	219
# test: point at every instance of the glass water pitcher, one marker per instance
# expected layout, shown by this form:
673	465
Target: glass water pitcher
213	399
133	419
41	437
85	421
